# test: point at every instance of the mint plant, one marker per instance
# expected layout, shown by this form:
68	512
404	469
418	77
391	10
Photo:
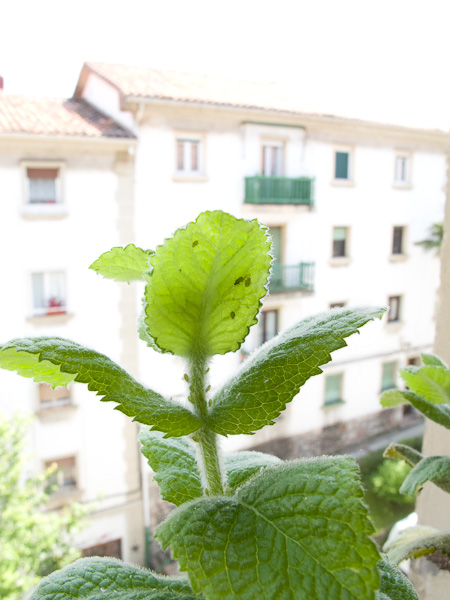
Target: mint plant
429	392
248	526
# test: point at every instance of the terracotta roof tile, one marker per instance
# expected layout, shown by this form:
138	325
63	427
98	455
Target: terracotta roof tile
56	116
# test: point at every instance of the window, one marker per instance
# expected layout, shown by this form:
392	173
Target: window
342	165
333	389
339	241
64	477
402	169
112	548
50	398
49	296
43	186
388	376
272	159
268	326
394	309
397	240
189	156
337	305
414	361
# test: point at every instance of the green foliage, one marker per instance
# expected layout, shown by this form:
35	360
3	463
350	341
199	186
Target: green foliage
388	480
394	585
430	385
435	239
32	543
124	264
248	526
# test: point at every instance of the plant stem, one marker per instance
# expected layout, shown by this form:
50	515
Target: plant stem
206	439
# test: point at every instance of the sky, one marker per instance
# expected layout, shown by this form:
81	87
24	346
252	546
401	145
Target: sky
384	60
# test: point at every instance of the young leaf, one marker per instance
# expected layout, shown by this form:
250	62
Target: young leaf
431	360
243	465
271	377
416	542
123	264
402	452
175	464
439	413
432	383
58	361
206	286
299	531
95	578
431	468
394	584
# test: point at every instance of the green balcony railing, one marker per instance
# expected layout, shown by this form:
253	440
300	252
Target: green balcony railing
287	278
279	190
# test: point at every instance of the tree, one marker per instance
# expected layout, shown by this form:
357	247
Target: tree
33	542
435	239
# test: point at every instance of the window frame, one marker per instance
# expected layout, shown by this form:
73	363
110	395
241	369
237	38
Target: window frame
349	180
46	311
43	209
64	488
262	325
337	305
278	144
402	183
383	386
62	397
398	251
395	316
345	255
338	400
190	174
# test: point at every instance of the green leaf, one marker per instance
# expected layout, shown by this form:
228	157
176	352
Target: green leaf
394	584
432	468
402	452
439	413
56	360
175	464
124	264
430	382
243	465
299	531
431	360
416	542
206	285
107	579
271	377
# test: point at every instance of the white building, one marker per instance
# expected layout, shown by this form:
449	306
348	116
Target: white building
138	153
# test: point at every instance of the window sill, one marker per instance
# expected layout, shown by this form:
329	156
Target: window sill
401	186
180	178
398	257
44	211
53	319
339	261
332	403
394	326
343	182
55	408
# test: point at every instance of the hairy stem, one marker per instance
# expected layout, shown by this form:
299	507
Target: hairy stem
206	439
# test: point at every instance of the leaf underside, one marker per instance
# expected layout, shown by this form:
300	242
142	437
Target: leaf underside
107	579
206	285
402	452
439	413
299	531
431	468
394	584
416	542
58	361
271	377
241	466
123	264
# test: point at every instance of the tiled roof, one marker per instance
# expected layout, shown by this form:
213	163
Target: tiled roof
56	116
148	83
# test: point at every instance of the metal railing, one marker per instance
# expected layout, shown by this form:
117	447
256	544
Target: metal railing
279	190
292	277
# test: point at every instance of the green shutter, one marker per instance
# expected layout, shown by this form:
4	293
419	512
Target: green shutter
341	171
333	386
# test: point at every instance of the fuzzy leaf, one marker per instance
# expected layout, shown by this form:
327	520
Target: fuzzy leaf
432	468
108	578
439	413
431	360
299	531
123	264
430	382
402	452
271	377
174	462
416	542
394	584
206	286
243	465
55	360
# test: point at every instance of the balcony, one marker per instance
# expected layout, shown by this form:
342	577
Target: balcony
279	190
287	278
